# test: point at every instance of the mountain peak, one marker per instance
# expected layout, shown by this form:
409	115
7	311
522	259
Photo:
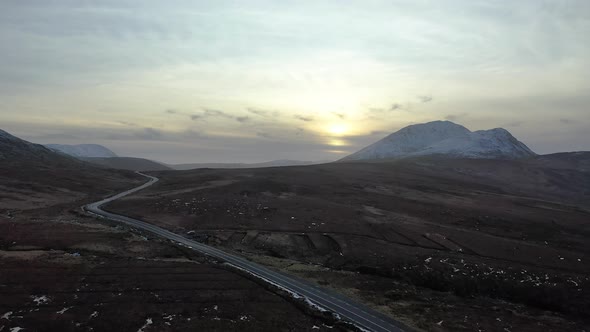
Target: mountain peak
445	138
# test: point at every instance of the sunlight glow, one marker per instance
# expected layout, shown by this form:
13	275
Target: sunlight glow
337	142
338	129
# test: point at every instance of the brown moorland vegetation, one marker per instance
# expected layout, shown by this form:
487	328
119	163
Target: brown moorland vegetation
487	244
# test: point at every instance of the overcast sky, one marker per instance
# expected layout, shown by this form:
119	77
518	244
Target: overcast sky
229	81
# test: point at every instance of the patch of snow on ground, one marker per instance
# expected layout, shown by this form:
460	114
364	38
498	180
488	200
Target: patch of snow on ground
6	315
94	314
148	322
40	299
16	329
62	311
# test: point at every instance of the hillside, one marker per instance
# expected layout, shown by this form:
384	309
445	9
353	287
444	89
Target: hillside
83	150
128	163
444	138
33	176
62	270
13	149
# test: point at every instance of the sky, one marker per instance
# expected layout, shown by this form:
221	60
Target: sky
251	81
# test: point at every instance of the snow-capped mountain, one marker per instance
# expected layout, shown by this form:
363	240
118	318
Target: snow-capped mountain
83	150
445	138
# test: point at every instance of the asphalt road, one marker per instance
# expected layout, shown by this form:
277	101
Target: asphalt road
349	310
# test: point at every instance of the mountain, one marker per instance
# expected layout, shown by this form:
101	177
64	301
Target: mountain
103	157
273	163
444	138
13	149
33	176
128	163
83	150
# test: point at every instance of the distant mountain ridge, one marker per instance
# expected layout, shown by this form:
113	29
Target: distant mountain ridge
444	138
128	163
83	150
273	163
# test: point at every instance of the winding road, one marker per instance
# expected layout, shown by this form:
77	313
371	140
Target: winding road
356	313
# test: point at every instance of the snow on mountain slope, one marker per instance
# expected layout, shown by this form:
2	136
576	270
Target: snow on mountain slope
445	138
83	150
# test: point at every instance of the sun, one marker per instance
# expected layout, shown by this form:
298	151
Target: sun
338	129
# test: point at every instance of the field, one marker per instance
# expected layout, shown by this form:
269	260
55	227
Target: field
61	270
440	244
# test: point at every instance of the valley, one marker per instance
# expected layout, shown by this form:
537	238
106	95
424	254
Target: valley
62	270
401	236
430	243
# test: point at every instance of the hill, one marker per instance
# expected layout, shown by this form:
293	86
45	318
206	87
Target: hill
83	150
13	149
128	163
444	138
33	176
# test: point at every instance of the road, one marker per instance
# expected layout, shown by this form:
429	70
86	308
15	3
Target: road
349	310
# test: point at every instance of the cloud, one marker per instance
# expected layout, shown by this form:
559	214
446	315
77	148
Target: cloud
456	117
376	110
341	116
303	118
56	136
425	98
263	135
192	134
214	113
566	121
378	133
208	113
513	124
263	113
154	53
127	123
242	119
395	106
149	134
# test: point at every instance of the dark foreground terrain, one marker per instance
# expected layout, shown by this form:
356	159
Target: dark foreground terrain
68	272
448	245
61	270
